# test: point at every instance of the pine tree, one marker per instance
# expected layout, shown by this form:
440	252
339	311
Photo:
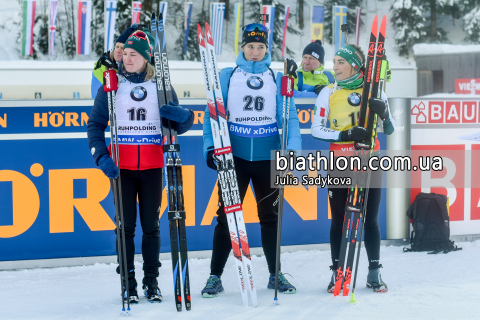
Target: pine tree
351	16
66	27
193	51
409	23
40	43
472	25
98	27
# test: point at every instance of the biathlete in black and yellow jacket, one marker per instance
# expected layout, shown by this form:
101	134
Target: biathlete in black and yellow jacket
338	104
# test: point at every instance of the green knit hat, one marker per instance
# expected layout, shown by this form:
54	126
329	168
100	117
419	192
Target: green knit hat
141	41
351	55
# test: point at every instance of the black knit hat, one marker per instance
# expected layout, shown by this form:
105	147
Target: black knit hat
255	32
124	36
316	50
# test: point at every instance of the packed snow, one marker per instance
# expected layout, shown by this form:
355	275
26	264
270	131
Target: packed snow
421	286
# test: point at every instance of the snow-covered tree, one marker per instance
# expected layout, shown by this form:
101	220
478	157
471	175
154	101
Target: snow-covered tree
66	26
472	25
409	24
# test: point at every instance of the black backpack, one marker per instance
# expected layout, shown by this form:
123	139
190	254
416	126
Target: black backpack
431	224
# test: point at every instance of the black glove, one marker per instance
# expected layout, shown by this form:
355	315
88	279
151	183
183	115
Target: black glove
354	134
291	67
379	107
318	89
211	160
106	61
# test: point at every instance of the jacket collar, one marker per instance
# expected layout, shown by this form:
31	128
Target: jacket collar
310	74
254	66
132	77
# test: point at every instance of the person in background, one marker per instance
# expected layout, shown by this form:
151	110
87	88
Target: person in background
311	76
111	59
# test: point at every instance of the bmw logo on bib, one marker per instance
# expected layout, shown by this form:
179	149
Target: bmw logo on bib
354	99
138	93
255	83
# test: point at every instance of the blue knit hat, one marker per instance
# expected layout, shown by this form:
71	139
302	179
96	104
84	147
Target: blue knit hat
316	50
124	36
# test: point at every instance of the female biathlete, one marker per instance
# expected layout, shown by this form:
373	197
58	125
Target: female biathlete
251	91
141	153
336	104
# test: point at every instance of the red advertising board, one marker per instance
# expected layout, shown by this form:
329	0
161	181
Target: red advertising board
467	86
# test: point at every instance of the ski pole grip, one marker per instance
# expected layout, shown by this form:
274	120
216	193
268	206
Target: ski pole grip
287	86
110	80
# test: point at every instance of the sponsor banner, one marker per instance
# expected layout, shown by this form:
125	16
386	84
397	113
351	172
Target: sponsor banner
467	86
449	128
253	131
56	203
445	111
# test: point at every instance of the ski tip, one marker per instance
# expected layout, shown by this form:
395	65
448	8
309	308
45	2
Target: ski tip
208	34
201	40
352	299
383	26
375	25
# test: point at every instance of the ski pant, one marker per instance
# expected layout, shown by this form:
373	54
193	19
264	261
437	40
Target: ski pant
338	199
267	205
147	185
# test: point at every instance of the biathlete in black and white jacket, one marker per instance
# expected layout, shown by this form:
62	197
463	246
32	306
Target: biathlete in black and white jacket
254	107
338	104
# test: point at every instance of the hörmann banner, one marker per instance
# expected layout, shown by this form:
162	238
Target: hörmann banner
56	203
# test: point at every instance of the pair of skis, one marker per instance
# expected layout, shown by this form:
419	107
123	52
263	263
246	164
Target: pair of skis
227	177
110	86
173	170
357	197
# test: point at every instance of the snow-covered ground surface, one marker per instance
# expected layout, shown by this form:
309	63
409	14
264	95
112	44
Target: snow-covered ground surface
421	286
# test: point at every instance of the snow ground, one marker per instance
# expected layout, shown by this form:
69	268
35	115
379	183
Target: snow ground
421	286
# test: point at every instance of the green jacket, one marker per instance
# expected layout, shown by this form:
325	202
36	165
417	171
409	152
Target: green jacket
306	81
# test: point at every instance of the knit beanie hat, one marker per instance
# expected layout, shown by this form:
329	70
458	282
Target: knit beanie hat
124	36
352	56
316	50
255	32
142	42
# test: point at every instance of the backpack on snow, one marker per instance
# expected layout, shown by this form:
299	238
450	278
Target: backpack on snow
431	224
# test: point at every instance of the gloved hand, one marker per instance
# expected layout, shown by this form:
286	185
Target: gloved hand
379	107
108	166
176	113
319	88
291	67
106	61
354	134
211	160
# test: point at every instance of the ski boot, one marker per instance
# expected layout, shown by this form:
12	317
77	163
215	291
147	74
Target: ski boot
151	290
331	285
375	282
283	285
132	285
213	287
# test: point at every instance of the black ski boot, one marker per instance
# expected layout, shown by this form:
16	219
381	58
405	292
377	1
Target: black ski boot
375	282
151	290
132	285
